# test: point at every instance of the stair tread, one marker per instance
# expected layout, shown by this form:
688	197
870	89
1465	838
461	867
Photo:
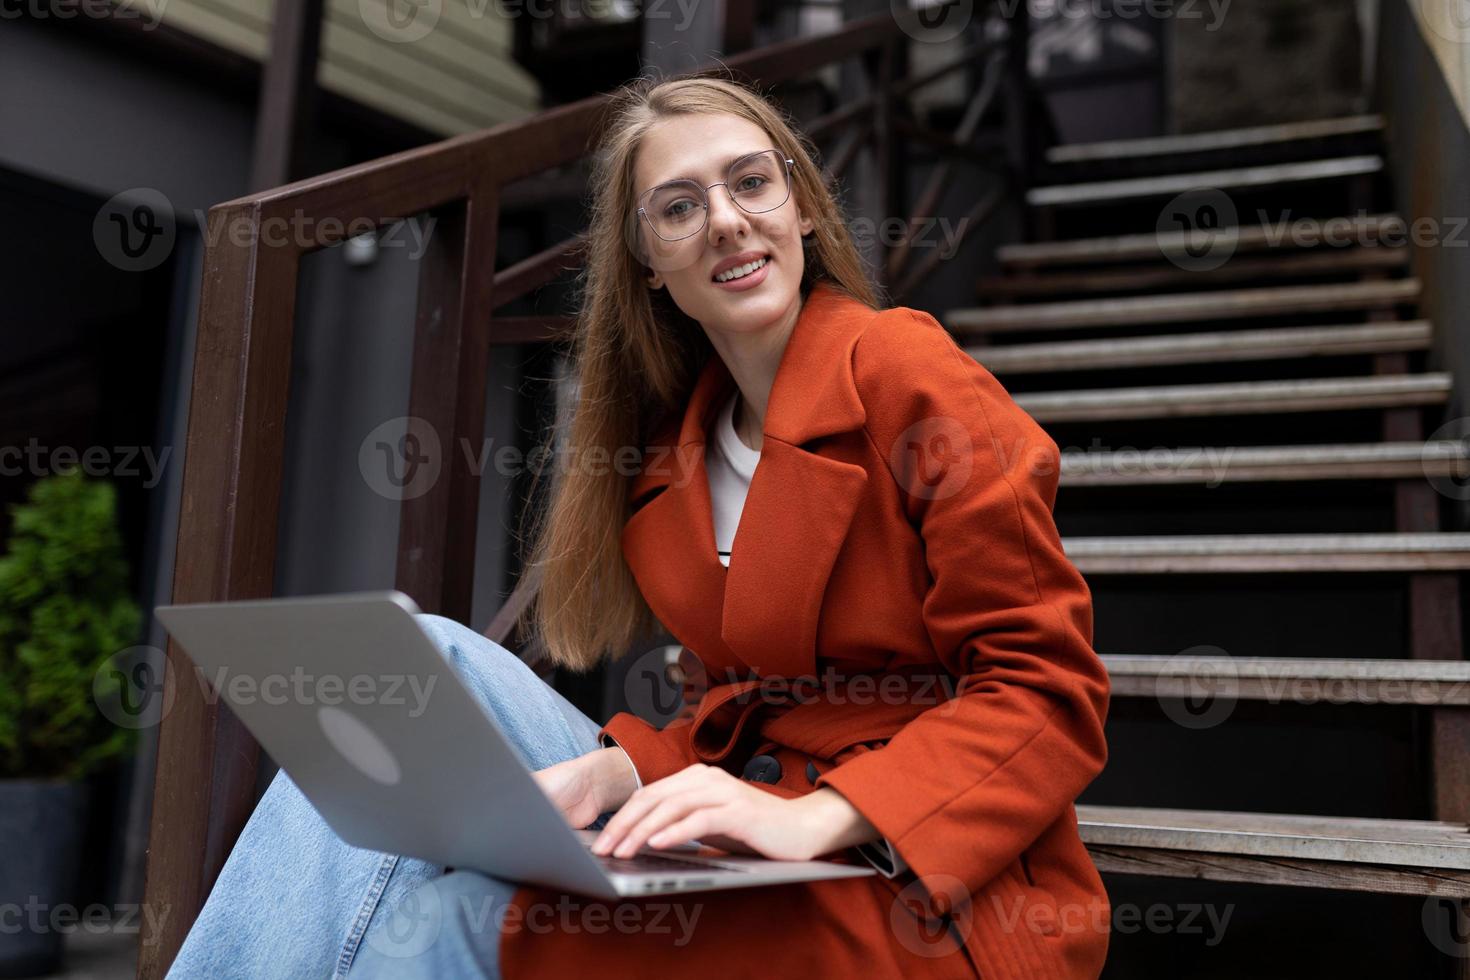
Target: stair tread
1153	245
1184	307
1366	542
1312	668
1238	397
1221	139
1234	178
1218	463
1263	553
1359	840
1292	680
1193	347
1133	278
1313	452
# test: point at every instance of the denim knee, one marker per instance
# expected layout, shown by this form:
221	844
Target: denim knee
463	646
449	926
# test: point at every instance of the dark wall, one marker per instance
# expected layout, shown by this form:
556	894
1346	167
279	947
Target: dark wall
1430	150
1257	62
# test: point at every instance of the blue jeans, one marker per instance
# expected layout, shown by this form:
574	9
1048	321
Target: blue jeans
294	901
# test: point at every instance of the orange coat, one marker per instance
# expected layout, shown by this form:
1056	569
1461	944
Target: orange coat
898	524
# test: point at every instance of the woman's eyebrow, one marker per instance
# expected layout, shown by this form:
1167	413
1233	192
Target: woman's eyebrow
725	164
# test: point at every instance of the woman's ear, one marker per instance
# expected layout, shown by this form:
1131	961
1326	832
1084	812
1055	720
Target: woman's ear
654	280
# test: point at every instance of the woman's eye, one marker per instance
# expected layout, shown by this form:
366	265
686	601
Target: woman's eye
758	180
678	209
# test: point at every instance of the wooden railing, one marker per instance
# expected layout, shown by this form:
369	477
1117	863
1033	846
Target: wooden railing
207	762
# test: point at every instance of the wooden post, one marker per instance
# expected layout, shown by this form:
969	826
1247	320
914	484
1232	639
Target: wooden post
436	531
1434	604
204	787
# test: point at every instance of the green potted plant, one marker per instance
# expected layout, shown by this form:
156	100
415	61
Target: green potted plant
65	609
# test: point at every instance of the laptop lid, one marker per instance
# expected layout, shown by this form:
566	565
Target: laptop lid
355	701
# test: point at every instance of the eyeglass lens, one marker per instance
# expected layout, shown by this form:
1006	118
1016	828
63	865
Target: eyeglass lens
758	182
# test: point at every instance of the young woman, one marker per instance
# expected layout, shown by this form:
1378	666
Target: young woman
847	521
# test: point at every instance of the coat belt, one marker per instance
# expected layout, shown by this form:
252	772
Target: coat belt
820	723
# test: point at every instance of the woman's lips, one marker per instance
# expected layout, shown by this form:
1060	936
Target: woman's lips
745	282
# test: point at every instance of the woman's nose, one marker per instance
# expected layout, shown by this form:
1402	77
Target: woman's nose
725	216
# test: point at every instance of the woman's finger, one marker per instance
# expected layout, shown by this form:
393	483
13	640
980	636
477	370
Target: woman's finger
702	823
669	810
638	805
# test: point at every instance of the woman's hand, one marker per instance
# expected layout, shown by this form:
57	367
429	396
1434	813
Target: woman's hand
709	804
589	785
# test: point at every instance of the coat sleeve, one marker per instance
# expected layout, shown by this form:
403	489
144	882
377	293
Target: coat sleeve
659	752
970	783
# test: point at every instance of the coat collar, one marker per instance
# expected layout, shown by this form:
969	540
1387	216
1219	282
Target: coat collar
761	614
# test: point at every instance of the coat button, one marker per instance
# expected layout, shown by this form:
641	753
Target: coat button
762	769
811	772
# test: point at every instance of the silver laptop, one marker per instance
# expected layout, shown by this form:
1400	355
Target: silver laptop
354	700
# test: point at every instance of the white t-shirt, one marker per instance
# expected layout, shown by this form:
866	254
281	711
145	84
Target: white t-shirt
729	464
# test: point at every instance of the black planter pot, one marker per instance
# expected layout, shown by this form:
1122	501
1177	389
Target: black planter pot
40	831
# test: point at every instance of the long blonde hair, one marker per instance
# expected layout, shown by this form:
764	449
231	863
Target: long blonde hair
636	357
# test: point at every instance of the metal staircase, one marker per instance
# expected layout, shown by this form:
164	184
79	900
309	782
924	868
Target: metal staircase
1294	362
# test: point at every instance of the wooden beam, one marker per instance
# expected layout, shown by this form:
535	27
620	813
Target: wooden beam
283	121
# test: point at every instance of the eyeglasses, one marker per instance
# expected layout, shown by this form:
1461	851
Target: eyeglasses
757	182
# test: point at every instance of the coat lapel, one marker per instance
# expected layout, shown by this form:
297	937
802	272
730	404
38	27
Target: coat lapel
761	614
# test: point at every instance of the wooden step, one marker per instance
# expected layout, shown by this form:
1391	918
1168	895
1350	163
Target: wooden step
1228	304
1202	553
1235	179
1237	398
1202	348
1224	139
1415	857
1293	680
1385	231
1163	276
1212	465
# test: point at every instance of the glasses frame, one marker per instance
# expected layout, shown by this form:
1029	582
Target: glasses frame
790	163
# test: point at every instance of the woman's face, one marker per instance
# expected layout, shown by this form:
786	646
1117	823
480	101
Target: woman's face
701	148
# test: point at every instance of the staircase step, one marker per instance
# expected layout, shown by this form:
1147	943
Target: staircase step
1237	398
1200	348
1237	179
1292	680
1212	465
1366	231
1379	552
1224	139
1161	276
1185	307
1417	857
